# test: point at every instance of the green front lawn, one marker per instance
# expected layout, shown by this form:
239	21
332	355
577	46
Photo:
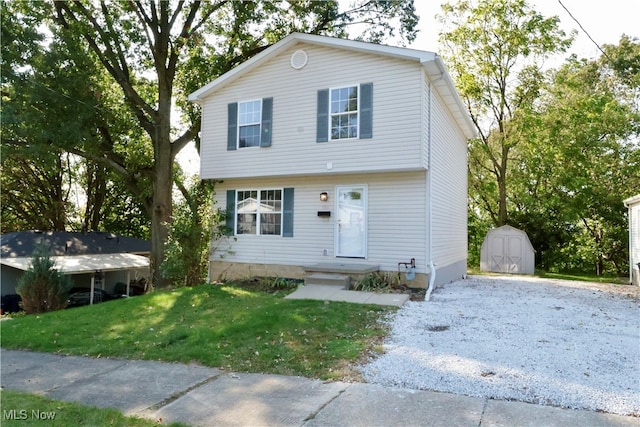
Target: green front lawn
24	409
224	326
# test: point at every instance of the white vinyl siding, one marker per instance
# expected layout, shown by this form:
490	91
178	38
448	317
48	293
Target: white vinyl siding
449	186
634	242
395	145
394	235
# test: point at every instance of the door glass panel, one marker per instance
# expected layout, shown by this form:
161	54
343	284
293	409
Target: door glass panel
351	222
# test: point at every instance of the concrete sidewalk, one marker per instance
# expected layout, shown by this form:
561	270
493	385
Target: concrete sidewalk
201	396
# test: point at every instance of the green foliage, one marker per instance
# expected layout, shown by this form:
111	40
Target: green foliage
579	159
477	229
278	283
378	281
557	151
194	224
226	326
33	190
494	49
61	121
42	287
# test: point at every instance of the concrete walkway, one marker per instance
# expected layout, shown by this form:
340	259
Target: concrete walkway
201	396
334	293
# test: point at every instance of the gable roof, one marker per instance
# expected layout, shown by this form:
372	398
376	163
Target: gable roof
430	61
507	230
61	243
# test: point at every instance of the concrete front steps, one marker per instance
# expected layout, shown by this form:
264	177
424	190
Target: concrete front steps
340	274
331	282
335	293
342	281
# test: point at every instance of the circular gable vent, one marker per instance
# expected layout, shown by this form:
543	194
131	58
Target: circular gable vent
299	59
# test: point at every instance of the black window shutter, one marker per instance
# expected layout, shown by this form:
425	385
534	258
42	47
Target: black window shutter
287	213
267	112
231	213
232	126
322	126
366	110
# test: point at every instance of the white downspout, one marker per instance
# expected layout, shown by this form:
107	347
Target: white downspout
432	267
630	221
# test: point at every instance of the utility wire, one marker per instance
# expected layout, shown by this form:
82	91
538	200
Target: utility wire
584	31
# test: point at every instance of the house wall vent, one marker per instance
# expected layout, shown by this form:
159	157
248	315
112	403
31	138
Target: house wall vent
299	59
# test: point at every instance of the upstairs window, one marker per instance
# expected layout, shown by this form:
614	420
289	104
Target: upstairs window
249	120
344	112
249	124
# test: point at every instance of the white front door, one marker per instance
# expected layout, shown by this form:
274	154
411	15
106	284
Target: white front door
351	223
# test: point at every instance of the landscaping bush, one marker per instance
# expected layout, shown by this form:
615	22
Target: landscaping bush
378	281
42	287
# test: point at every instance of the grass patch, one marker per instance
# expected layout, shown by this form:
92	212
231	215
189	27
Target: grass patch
237	328
581	277
23	409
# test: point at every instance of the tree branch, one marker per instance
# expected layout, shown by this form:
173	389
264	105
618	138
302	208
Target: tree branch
108	58
189	135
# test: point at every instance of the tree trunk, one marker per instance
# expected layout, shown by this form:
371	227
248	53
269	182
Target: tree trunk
502	182
502	200
162	204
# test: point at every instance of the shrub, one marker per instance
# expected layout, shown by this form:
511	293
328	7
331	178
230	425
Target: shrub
278	283
42	287
378	281
194	225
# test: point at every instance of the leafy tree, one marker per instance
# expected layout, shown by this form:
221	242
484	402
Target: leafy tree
34	192
55	103
194	224
158	52
42	287
495	49
580	159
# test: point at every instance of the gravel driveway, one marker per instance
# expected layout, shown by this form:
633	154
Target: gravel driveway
553	342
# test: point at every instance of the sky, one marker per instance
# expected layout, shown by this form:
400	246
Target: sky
605	21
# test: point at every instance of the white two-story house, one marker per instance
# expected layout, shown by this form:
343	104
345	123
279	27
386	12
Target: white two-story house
329	151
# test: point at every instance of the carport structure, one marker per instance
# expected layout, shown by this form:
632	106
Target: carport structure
92	259
95	264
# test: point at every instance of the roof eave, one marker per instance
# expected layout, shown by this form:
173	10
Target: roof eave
632	200
438	75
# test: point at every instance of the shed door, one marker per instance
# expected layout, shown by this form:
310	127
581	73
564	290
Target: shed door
514	253
506	254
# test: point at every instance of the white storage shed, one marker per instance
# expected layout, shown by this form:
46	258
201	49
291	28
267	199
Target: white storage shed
633	204
507	250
